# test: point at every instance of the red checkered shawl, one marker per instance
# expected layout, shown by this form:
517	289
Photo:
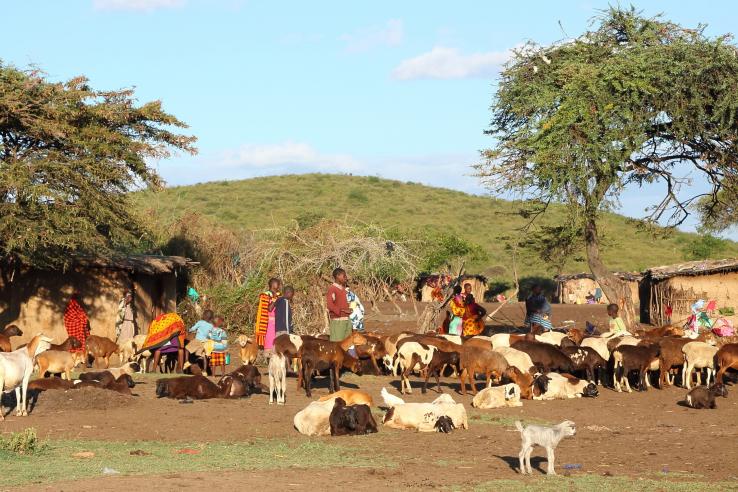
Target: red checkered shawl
75	322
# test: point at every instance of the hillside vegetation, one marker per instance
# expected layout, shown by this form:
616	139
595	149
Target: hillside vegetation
493	224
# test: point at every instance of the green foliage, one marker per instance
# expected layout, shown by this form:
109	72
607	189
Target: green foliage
25	442
308	219
441	249
69	155
704	246
357	196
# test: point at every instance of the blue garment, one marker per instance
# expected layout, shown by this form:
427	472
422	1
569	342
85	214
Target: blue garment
201	329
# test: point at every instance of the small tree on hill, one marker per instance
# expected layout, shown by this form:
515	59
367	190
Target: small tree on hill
636	101
69	155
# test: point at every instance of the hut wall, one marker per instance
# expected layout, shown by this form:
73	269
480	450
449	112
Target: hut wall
35	300
426	294
575	291
682	291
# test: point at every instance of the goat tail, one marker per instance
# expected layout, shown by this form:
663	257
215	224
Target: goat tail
519	425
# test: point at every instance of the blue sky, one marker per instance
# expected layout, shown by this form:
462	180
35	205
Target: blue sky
395	89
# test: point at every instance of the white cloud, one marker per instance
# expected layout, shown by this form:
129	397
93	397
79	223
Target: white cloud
449	63
286	154
388	35
137	5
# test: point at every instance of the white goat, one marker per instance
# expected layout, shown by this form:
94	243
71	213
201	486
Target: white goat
551	337
391	400
544	436
423	416
562	388
597	344
516	358
409	356
498	397
15	371
698	355
313	420
277	378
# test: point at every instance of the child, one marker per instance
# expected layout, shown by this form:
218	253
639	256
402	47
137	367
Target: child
218	335
616	323
283	312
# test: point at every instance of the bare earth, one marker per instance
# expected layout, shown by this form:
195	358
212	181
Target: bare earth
641	434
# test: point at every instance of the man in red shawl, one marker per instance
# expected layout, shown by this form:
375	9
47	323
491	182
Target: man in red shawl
76	323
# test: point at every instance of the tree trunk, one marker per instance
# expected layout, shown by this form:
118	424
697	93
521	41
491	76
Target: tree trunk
616	290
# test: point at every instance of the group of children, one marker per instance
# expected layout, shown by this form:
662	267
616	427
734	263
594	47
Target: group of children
209	331
464	317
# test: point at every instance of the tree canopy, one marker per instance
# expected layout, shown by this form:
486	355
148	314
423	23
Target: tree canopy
636	101
69	155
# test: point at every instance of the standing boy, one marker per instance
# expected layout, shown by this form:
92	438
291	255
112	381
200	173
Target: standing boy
338	307
283	312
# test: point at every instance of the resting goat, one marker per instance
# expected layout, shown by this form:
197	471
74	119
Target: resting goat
423	416
564	386
351	420
704	396
195	387
498	397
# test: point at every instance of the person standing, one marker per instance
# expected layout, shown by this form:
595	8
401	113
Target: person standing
125	324
264	330
538	310
458	309
283	312
338	307
76	322
473	317
357	310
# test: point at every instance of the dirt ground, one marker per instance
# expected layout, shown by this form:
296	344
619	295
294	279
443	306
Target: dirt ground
645	435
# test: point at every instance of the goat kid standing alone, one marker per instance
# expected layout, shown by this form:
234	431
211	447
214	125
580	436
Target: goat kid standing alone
544	436
277	378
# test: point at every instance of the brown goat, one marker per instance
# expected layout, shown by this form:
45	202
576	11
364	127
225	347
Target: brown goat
373	349
183	387
45	384
5	334
726	358
545	357
316	350
70	343
634	358
523	379
475	360
101	348
671	357
122	385
437	364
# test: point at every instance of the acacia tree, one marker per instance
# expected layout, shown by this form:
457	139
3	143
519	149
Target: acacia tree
69	155
636	101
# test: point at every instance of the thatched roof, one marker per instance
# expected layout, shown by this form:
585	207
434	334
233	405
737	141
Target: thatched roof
627	276
691	268
147	264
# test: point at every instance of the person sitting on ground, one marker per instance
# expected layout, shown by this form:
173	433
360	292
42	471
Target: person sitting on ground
283	312
473	317
616	323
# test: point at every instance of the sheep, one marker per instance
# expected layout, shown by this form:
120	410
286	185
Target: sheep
598	344
586	359
444	424
698	355
516	358
546	357
726	358
15	372
277	378
183	387
126	349
101	348
56	362
391	400
498	397
248	349
408	355
551	337
631	358
475	360
704	396
313	420
351	397
564	386
507	339
351	420
5	334
544	436
423	416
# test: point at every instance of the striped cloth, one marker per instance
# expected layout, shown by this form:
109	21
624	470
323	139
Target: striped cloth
262	317
538	319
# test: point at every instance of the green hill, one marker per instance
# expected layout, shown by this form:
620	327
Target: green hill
491	223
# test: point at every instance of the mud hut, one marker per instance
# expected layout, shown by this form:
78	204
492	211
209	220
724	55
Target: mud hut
574	288
668	292
428	283
35	299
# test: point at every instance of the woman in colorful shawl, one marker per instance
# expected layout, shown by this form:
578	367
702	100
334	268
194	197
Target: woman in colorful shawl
76	322
457	307
166	335
264	331
473	317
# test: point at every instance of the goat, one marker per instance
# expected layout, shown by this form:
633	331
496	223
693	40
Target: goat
104	377
101	348
634	358
726	358
524	380
233	386
351	397
374	349
313	420
248	350
671	357
409	355
598	344
551	337
507	339
5	334
438	362
545	357
564	386
498	397
586	359
698	355
127	368
475	360
45	384
423	416
195	387
544	436
516	358
277	378
248	375
314	350
704	396
122	384
351	420
56	362
391	400
15	372
71	343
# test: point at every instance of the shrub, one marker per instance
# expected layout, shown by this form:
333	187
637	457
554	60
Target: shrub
358	196
24	442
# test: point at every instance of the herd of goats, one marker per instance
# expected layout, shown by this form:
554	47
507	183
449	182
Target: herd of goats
545	366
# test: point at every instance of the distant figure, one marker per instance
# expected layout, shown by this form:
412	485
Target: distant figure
338	307
125	323
538	310
283	312
458	309
264	330
357	310
473	317
598	295
76	322
467	291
